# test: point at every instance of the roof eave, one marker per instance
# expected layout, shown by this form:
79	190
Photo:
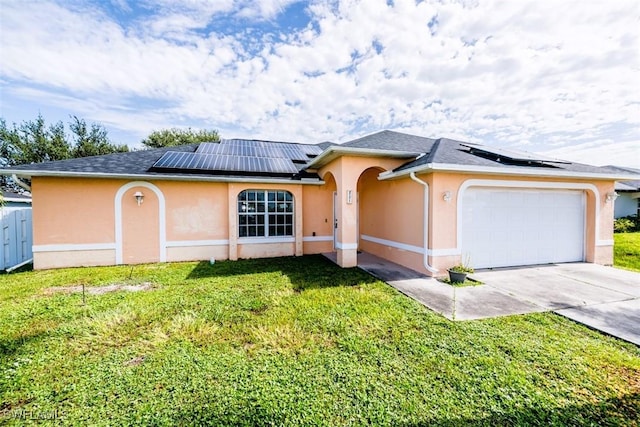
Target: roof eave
333	152
449	167
199	178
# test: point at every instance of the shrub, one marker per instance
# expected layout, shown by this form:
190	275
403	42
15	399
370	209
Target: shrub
626	224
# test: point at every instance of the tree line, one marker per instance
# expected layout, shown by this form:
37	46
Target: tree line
33	141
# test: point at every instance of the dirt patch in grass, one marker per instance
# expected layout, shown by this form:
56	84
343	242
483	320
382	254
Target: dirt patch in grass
98	290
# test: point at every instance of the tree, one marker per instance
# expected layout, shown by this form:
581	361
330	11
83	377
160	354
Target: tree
34	142
92	142
174	136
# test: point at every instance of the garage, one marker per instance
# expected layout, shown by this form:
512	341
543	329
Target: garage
503	227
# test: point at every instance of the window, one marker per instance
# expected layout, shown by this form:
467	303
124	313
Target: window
265	213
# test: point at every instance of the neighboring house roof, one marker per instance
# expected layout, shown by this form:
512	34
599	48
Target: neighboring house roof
632	185
255	160
10	196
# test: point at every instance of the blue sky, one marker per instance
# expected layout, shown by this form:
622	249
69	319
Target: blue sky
543	76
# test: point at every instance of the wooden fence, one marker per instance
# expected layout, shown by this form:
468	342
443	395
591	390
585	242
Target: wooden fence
17	237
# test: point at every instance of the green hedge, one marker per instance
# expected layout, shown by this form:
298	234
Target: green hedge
627	224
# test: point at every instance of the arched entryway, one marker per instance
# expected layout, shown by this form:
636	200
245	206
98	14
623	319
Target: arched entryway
140	224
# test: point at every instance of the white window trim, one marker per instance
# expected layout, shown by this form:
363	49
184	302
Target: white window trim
267	238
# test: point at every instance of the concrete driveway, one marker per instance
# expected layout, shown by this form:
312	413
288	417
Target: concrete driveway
604	298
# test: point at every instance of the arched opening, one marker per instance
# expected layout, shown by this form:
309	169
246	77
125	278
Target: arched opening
371	204
140	223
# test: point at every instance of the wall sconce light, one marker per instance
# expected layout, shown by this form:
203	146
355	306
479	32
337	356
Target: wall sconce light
139	197
446	196
349	197
611	197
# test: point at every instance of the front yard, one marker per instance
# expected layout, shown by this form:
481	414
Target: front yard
626	251
290	341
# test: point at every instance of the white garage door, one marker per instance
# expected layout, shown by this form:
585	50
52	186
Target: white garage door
511	227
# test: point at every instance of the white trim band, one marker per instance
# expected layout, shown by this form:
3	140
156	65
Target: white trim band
410	248
189	243
317	239
397	245
74	247
346	246
264	240
604	242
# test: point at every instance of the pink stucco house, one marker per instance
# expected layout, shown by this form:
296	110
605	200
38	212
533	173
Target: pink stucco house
424	203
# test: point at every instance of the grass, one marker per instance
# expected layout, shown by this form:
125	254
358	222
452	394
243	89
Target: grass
291	341
626	250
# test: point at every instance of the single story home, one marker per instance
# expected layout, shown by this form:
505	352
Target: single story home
427	204
628	199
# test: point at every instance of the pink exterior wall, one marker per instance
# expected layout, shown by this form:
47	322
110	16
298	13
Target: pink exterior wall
443	217
140	227
61	207
346	171
75	219
393	211
75	222
389	221
317	217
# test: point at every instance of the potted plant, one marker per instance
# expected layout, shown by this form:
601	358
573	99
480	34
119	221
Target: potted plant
458	273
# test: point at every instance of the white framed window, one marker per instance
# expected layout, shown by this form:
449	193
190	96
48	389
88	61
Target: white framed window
265	213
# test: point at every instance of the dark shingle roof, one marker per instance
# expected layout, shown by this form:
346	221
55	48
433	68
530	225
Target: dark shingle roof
141	163
131	163
452	152
394	141
424	153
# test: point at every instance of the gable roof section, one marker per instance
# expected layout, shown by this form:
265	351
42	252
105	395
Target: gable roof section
141	164
266	161
456	156
381	144
393	141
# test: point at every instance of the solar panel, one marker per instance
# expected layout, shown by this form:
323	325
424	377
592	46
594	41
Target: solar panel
241	147
241	156
520	156
225	163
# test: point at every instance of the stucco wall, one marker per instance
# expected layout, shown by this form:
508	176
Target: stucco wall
391	216
76	220
80	222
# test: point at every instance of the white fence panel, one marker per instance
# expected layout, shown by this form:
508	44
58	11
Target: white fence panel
17	237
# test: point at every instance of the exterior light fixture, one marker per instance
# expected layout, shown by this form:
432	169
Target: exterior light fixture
139	197
446	196
611	197
349	197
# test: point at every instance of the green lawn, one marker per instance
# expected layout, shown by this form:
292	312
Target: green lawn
626	251
291	341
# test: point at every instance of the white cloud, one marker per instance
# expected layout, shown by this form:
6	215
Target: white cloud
602	153
540	74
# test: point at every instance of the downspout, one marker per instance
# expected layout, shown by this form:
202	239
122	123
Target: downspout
22	184
426	222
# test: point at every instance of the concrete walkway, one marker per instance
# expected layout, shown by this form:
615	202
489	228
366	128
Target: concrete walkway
604	298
